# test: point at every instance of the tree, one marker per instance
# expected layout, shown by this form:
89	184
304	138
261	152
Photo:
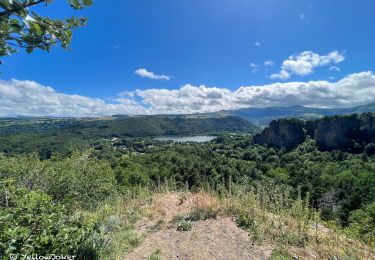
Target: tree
21	28
370	149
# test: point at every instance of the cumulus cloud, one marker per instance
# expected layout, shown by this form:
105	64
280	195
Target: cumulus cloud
33	99
304	63
150	75
355	89
29	98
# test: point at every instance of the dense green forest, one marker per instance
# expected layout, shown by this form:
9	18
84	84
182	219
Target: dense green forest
62	135
43	198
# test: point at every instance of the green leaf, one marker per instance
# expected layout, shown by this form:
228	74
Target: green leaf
69	34
38	28
29	49
32	31
87	2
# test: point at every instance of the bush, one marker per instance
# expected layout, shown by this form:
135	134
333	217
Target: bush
30	223
362	222
184	225
370	149
77	181
245	221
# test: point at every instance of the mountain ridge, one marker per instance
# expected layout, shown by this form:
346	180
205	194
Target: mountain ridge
263	116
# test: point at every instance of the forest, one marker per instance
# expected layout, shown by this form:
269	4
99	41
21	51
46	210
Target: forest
62	135
46	198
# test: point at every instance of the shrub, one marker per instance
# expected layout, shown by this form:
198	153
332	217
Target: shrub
184	225
77	181
370	149
245	221
30	223
362	222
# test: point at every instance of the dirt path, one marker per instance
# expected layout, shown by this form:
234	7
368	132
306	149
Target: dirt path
218	238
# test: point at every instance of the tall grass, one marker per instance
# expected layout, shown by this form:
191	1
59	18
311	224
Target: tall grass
279	215
116	218
270	213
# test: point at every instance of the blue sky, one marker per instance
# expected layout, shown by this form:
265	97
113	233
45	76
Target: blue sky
222	44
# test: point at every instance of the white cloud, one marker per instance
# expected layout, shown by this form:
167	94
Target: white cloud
269	63
334	68
33	99
304	63
283	74
150	75
355	89
257	43
253	67
28	98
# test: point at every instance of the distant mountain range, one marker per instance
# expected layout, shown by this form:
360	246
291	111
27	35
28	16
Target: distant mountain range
258	116
262	116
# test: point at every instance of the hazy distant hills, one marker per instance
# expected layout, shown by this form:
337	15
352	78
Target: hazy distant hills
225	120
125	126
262	116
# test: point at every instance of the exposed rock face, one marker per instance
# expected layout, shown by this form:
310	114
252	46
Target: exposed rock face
286	133
347	133
337	133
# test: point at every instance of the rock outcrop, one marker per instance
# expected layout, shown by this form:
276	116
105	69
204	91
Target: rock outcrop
286	133
346	133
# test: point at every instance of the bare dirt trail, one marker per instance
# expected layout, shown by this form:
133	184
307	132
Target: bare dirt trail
218	238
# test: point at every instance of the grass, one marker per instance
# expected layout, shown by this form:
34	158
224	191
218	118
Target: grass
203	213
271	214
281	254
275	215
116	219
158	225
156	255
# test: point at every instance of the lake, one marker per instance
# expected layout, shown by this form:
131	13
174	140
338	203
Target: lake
184	139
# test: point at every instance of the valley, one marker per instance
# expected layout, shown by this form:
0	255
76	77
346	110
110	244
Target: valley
100	177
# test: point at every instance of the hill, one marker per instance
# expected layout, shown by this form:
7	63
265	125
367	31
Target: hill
48	135
263	116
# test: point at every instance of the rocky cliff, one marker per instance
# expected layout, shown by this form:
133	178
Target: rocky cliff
286	133
347	133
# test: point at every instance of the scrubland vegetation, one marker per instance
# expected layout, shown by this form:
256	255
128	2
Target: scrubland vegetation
86	203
